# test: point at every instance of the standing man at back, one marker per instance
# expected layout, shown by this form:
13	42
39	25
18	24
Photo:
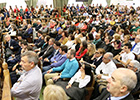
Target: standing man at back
29	84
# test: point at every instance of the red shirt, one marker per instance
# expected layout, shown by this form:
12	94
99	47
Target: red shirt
78	55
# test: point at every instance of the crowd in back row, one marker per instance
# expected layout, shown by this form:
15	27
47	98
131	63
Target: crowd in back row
98	37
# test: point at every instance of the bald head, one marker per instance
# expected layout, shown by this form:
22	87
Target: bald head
127	78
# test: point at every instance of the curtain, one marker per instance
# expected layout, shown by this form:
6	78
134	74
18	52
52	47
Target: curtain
108	2
89	2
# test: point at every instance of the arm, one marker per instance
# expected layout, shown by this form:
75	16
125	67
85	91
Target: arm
60	67
82	54
59	63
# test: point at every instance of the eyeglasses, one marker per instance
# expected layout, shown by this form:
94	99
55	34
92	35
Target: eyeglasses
129	66
97	52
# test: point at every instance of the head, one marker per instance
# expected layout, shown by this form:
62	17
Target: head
47	38
137	24
28	60
84	45
134	65
71	54
122	81
71	37
86	68
51	41
117	44
63	49
100	52
98	36
127	47
107	57
77	40
126	37
54	92
108	39
56	45
7	38
137	39
19	36
39	33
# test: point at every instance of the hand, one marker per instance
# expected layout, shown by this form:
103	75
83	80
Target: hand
46	59
11	47
81	61
68	86
49	71
56	78
92	65
99	76
40	58
119	58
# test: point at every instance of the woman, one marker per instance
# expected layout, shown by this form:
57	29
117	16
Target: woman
75	87
91	50
117	48
125	40
64	38
76	46
82	50
89	38
70	41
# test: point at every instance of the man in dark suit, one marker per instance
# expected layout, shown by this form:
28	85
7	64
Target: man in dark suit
49	51
11	46
119	86
28	32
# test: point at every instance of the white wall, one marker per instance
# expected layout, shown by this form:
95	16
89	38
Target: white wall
126	2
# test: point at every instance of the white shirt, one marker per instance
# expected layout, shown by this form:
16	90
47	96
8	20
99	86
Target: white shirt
126	56
106	69
28	85
136	49
77	78
69	44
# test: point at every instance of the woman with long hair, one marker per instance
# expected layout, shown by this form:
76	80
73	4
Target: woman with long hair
82	50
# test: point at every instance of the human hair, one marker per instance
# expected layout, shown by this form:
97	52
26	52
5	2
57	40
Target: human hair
53	40
110	57
84	46
90	36
71	36
64	48
54	92
127	37
57	43
72	52
116	36
77	40
128	78
128	45
92	50
101	51
136	64
24	42
87	69
118	42
47	38
31	56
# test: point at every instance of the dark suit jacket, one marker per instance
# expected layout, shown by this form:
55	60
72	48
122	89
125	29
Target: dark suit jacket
99	44
14	44
48	52
106	94
38	27
97	63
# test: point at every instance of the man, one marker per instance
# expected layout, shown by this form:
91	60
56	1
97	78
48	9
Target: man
57	60
119	86
29	84
125	57
135	66
28	31
97	41
68	68
11	46
49	51
135	28
136	45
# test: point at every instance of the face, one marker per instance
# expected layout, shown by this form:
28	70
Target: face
50	42
105	59
25	64
97	37
137	39
131	66
125	48
69	55
114	85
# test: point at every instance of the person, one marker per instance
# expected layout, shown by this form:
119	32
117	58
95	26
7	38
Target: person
75	88
54	92
135	66
126	55
105	69
27	87
68	68
119	86
11	46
